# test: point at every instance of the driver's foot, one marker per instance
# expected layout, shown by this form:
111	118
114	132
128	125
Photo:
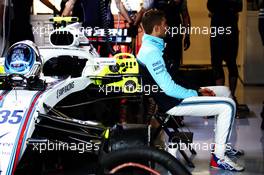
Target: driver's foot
225	164
232	152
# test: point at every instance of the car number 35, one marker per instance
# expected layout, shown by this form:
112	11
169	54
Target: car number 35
12	117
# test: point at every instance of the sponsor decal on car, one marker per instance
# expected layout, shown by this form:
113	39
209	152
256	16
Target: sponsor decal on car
11	117
65	89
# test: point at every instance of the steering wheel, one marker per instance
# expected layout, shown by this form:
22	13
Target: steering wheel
19	80
16	80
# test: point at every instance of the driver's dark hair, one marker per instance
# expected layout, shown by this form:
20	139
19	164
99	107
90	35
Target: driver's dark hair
150	19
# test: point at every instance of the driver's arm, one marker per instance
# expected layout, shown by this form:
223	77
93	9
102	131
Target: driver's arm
155	64
68	8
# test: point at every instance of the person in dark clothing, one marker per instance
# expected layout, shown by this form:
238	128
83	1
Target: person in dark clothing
261	31
177	15
21	28
1	12
91	16
94	16
224	47
261	20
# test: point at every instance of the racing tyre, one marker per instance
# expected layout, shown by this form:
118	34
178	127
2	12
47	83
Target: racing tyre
143	161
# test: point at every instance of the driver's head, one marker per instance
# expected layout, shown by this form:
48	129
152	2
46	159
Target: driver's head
23	58
154	23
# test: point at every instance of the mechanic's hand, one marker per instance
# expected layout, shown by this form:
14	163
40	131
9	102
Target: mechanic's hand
186	42
206	92
68	9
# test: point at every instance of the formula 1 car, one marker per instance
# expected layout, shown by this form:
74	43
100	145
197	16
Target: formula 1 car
38	83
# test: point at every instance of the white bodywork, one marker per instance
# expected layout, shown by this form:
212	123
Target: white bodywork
19	108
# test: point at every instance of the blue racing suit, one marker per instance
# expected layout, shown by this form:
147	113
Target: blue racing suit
176	100
150	57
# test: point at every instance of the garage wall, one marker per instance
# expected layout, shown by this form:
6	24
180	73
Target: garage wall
254	62
199	53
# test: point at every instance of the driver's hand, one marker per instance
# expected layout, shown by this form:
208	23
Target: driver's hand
206	92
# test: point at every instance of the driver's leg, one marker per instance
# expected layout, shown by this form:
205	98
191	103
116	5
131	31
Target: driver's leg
222	107
225	110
